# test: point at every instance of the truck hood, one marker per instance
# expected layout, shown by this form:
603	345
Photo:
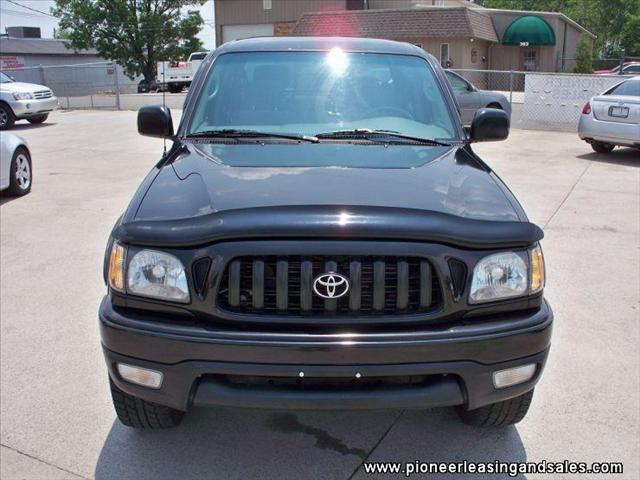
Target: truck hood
441	195
22	87
211	178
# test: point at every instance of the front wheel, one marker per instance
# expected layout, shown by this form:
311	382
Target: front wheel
175	87
498	414
21	173
137	413
601	147
7	119
38	118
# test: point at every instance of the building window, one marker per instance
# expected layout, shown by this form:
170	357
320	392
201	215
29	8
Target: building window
355	5
438	3
266	4
444	54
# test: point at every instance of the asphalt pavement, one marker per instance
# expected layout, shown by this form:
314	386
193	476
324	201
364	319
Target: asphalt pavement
57	421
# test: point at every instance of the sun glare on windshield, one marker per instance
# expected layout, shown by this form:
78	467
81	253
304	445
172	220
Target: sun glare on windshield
337	61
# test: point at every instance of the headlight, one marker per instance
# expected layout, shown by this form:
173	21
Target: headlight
508	274
22	96
158	275
499	276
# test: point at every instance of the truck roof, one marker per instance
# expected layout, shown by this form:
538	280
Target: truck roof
371	45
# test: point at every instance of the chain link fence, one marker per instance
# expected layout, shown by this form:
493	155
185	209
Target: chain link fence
92	85
87	85
538	100
510	83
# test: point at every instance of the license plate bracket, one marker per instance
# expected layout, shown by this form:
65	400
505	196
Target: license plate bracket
619	112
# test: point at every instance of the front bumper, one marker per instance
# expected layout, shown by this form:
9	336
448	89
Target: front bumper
27	108
459	362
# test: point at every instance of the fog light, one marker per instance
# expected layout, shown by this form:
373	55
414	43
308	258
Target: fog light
140	376
513	376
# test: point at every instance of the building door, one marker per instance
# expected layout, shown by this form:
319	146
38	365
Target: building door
444	55
238	32
529	59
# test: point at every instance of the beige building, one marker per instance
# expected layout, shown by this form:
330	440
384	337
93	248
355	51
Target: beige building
236	19
458	32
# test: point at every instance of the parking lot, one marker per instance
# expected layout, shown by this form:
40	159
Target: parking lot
57	419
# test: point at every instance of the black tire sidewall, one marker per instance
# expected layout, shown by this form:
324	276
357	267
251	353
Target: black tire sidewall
11	119
601	147
38	118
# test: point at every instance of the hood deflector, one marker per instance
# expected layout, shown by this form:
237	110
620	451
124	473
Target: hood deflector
329	221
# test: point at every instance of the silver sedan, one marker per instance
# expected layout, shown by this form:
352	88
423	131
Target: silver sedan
16	174
471	99
613	117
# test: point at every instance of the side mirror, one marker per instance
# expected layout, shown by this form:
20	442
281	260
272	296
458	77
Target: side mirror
489	124
155	121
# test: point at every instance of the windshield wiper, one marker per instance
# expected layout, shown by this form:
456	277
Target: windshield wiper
370	134
239	133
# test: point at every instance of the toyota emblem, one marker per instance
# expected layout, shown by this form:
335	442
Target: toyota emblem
331	285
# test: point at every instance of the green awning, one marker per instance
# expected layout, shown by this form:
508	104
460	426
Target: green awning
529	30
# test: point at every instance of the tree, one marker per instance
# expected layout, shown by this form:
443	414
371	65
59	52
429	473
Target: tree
584	62
134	33
630	36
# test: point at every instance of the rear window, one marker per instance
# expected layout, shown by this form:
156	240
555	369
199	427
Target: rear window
629	88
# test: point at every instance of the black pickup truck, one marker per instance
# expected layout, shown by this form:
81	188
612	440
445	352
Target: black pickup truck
320	235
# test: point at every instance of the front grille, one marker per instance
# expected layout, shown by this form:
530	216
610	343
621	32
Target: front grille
42	94
283	285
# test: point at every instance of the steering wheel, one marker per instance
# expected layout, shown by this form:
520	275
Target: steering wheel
379	111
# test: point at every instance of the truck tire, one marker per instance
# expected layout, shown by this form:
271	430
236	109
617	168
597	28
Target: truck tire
498	414
601	147
175	87
7	119
38	118
137	413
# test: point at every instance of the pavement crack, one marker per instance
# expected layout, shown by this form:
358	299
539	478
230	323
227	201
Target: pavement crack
566	196
43	461
289	423
366	457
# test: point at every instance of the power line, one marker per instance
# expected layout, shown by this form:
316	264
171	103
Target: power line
16	12
32	9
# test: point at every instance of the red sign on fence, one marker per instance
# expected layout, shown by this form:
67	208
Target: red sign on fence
11	61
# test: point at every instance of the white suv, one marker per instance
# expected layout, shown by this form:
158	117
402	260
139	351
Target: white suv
24	101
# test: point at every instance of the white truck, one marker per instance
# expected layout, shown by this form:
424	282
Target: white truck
177	75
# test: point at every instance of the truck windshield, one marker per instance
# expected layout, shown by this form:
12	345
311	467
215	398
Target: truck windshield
309	93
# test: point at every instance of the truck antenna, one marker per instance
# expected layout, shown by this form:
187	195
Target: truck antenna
164	106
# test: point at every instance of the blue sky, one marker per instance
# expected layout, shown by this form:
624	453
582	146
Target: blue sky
13	15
